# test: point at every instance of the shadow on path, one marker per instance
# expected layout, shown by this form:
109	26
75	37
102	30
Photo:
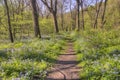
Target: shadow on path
66	67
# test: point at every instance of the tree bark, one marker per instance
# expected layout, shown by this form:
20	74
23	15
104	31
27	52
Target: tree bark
73	14
52	7
97	14
82	11
78	14
62	15
9	21
62	21
103	16
55	22
35	19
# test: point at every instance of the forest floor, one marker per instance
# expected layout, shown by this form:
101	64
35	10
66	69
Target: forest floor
66	66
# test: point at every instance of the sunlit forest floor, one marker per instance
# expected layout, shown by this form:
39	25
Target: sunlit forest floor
91	54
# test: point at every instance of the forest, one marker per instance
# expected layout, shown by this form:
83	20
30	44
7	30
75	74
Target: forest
59	39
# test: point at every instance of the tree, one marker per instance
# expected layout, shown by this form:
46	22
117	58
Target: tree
52	7
82	13
97	13
9	21
78	13
62	10
35	18
103	15
73	13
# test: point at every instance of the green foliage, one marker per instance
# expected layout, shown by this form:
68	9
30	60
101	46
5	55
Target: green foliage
99	54
28	59
46	26
22	68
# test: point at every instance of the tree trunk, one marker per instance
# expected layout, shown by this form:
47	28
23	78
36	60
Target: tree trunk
103	16
9	22
55	22
53	9
73	16
35	19
62	18
62	21
97	14
78	14
82	14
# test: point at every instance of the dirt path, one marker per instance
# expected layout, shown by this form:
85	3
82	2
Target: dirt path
66	66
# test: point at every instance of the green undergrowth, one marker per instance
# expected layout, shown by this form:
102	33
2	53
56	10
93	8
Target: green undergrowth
26	60
98	54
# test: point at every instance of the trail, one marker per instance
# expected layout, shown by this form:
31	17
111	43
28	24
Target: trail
65	67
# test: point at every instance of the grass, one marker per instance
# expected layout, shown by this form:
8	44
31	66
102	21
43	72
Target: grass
99	54
26	60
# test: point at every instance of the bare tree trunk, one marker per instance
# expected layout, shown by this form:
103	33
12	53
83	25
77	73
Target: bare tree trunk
73	15
13	13
9	21
62	21
82	14
62	16
97	14
55	22
35	19
103	16
78	14
55	16
53	9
